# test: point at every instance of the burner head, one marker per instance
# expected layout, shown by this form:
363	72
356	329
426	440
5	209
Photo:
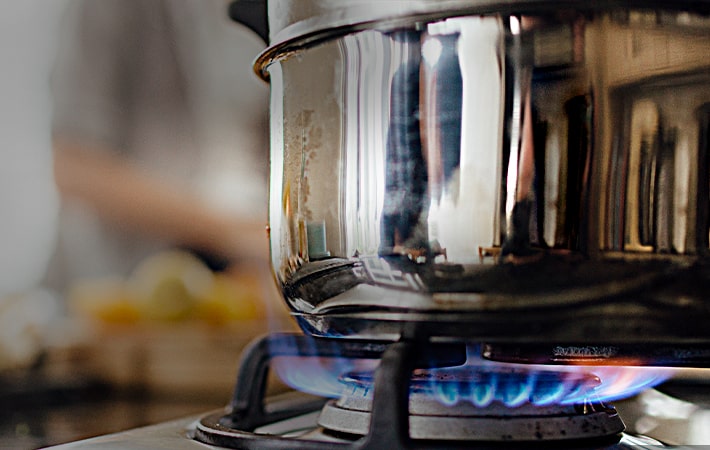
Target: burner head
490	405
483	386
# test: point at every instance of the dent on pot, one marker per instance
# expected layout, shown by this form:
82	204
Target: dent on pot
489	156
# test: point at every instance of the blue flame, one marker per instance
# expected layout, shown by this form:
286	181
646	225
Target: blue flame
515	385
483	394
447	393
480	382
512	387
548	395
320	376
515	392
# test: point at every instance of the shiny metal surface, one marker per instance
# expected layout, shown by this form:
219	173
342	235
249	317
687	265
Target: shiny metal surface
496	163
294	19
172	435
292	23
175	435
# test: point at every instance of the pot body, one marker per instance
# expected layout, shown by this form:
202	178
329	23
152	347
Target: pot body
491	169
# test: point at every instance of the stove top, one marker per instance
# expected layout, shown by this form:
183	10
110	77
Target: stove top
376	409
303	429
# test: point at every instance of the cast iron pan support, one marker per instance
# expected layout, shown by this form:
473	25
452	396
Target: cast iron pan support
389	418
247	410
389	421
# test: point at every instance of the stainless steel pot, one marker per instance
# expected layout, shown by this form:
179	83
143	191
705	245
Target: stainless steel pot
492	169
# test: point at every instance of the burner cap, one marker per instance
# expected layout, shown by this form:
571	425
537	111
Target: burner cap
484	385
504	405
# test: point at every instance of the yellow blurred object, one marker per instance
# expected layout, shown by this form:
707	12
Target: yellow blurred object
106	299
170	285
119	312
232	298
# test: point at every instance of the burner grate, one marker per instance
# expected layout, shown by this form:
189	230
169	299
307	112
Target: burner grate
389	421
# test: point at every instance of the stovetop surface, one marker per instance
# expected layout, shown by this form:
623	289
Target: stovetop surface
254	421
167	435
664	418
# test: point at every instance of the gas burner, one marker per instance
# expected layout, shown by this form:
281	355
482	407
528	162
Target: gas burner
379	410
482	404
496	424
485	386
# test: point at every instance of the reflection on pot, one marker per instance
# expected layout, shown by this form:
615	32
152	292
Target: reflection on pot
561	155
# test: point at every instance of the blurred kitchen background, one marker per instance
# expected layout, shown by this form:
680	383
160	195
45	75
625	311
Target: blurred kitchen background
133	267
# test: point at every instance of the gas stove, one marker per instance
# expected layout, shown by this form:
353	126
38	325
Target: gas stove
351	395
489	219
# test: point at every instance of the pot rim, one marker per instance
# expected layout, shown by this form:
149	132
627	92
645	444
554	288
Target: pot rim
291	33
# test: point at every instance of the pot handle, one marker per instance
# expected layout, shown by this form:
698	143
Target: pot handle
252	14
